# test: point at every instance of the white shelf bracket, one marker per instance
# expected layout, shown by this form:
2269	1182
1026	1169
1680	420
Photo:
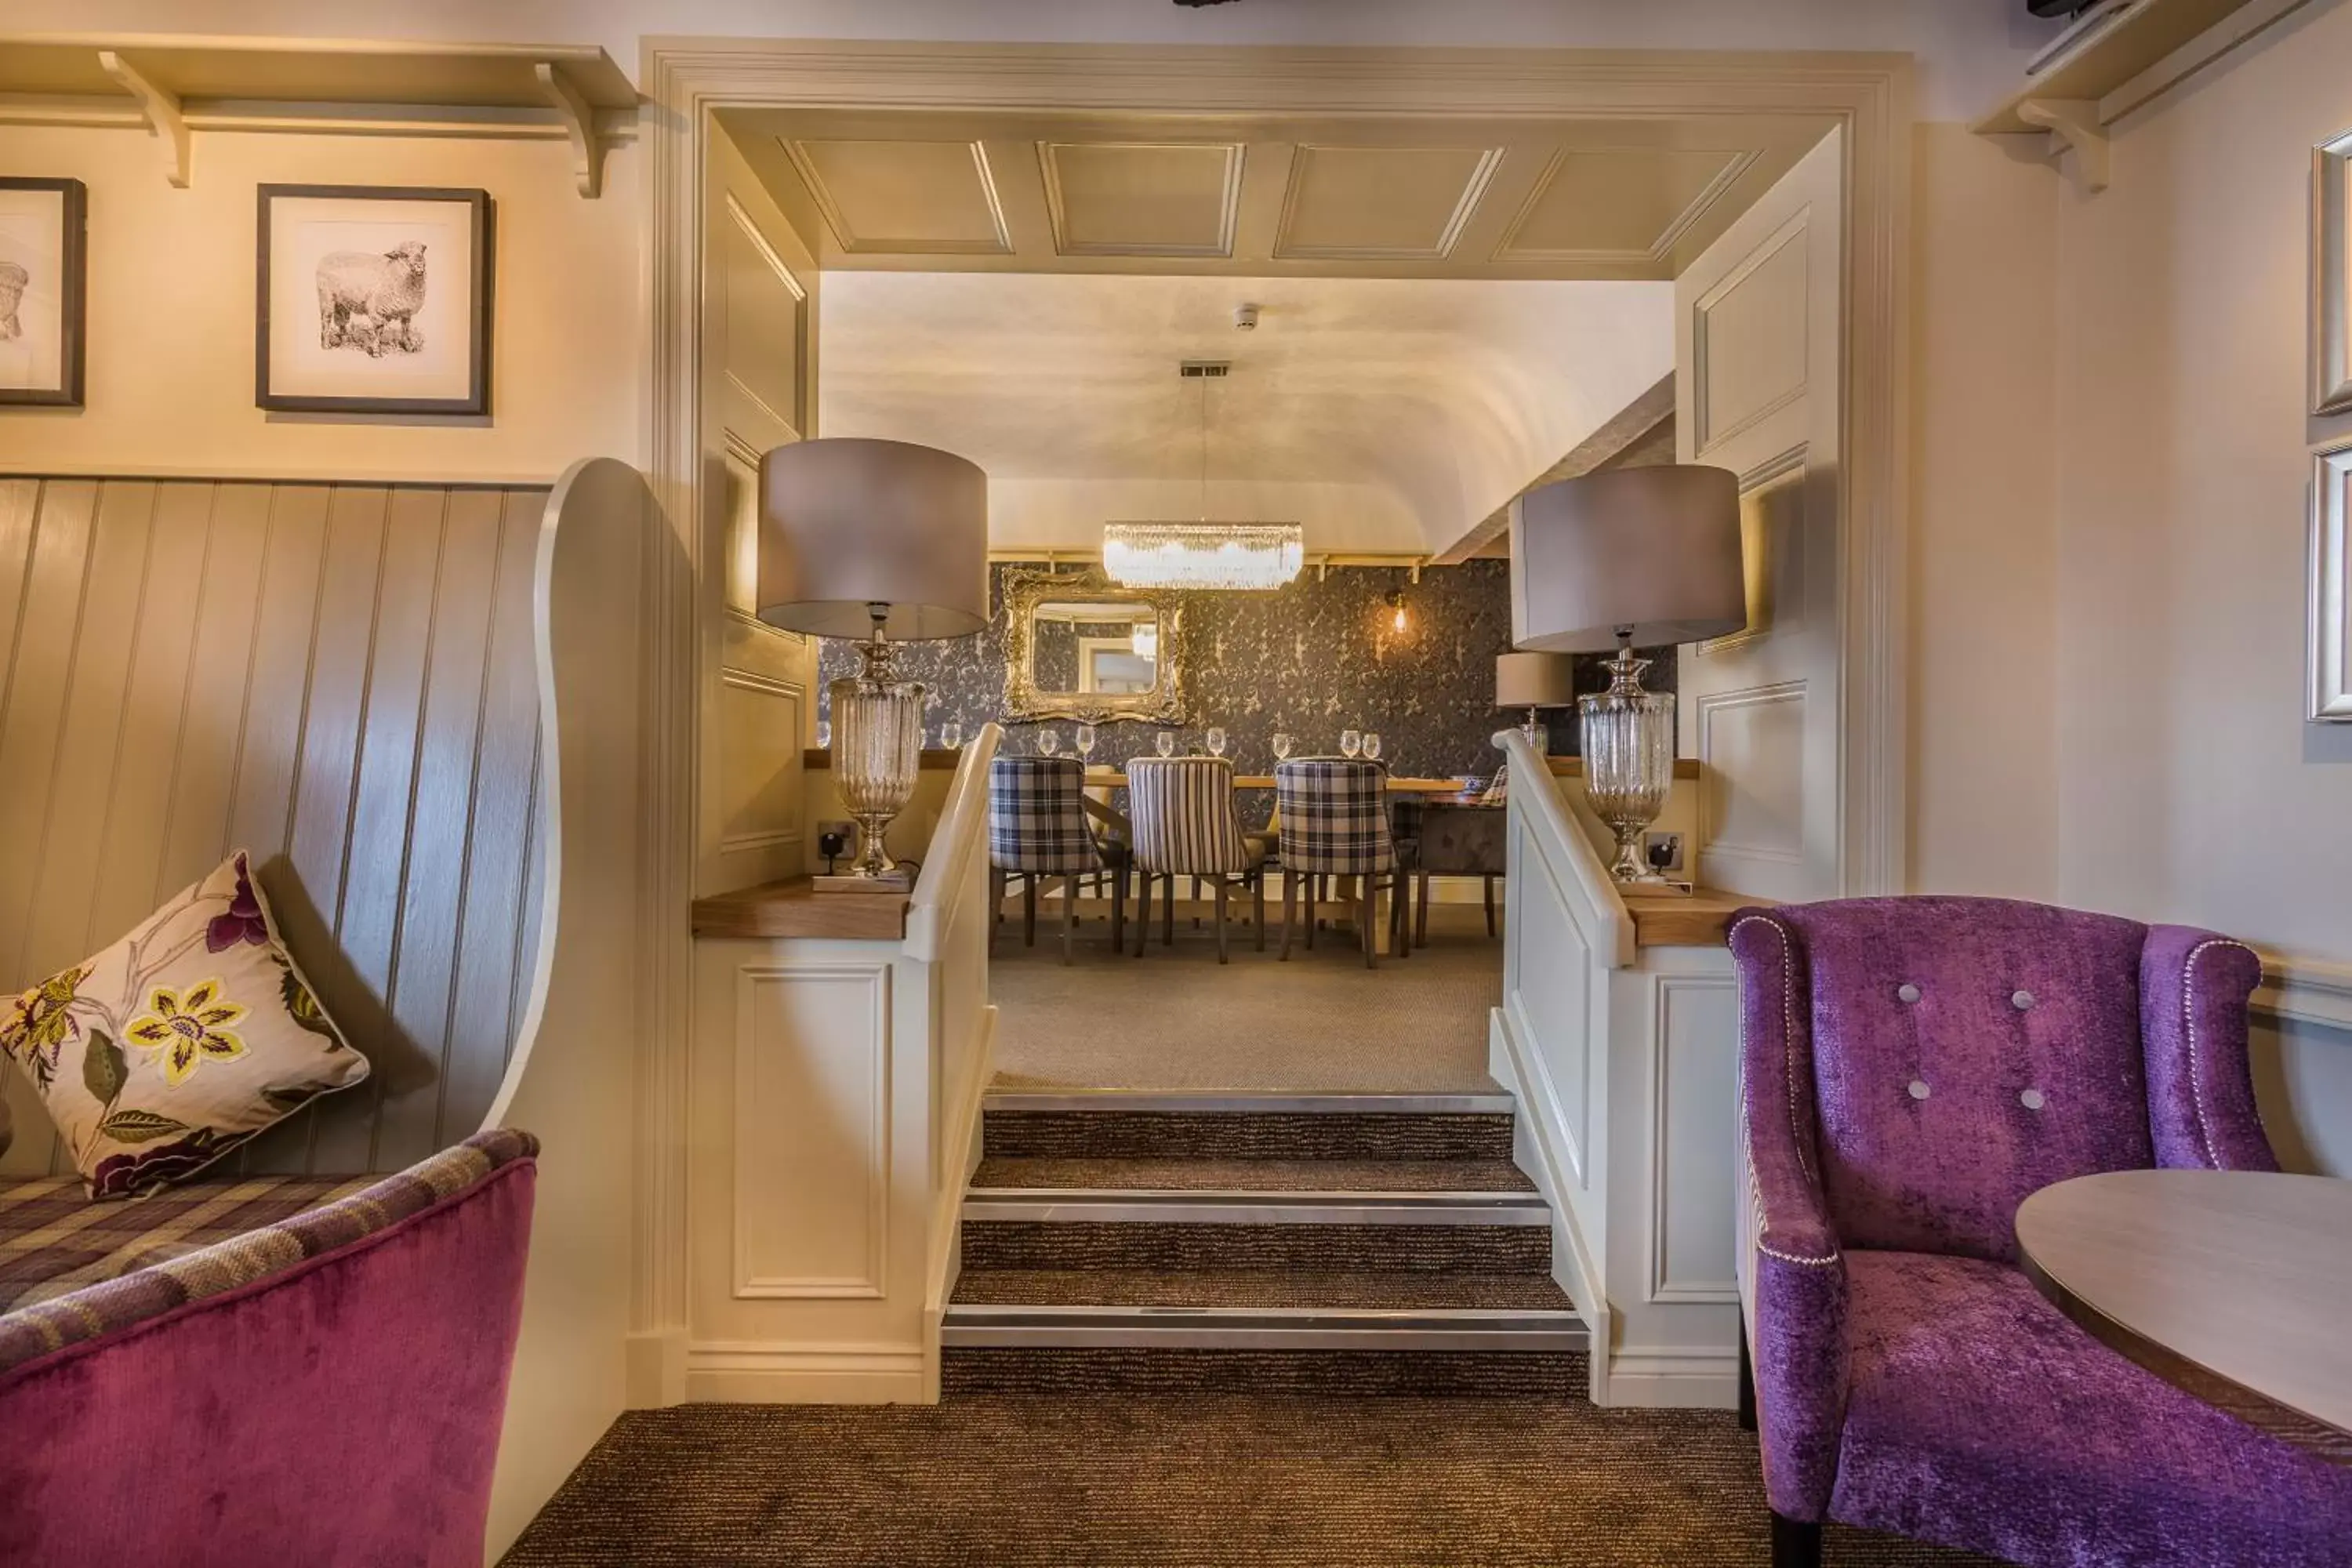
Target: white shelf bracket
2073	123
580	119
161	110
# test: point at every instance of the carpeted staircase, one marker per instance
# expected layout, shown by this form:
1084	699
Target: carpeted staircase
1339	1243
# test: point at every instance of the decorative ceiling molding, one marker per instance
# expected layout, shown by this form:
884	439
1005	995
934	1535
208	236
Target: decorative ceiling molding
1444	233
924	180
1733	164
1066	208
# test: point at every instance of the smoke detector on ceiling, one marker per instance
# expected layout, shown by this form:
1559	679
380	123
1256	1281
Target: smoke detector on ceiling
1245	317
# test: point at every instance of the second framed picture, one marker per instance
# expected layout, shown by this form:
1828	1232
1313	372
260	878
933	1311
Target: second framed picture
373	300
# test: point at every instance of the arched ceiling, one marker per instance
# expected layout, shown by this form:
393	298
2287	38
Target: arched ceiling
1386	415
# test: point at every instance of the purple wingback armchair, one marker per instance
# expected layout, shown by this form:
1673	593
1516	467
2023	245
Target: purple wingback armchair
1911	1070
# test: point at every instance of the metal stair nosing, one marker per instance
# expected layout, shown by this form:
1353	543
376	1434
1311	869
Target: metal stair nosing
1091	1206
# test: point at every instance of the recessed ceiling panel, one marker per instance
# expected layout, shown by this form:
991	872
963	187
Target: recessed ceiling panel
1619	203
1132	198
1395	204
904	197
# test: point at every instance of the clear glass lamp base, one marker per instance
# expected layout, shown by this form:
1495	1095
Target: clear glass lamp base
1628	737
878	753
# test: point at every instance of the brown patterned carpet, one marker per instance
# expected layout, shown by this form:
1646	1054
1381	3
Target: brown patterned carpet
1174	1479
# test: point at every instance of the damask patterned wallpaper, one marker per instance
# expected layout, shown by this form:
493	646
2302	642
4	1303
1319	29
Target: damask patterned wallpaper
1312	658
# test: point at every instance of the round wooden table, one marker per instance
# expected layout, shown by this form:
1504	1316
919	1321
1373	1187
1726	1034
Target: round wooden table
2235	1285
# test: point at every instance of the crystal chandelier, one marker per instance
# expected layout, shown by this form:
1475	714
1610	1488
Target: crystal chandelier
1204	554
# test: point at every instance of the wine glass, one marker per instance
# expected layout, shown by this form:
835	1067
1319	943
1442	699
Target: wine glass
1166	743
1216	743
1372	745
1048	741
1281	746
1350	742
951	735
1086	743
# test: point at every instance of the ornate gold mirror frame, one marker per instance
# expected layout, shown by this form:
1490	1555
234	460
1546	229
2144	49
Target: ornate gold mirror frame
1025	592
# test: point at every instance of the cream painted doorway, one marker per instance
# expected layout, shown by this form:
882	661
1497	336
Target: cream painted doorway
1757	351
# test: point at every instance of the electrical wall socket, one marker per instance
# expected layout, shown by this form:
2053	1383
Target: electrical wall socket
1675	840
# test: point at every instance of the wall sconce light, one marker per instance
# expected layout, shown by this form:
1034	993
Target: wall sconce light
1399	622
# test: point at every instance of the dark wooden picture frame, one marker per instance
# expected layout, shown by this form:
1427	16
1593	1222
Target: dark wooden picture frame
481	274
73	298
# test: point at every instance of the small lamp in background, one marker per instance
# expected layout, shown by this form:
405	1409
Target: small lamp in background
1648	555
1534	680
876	541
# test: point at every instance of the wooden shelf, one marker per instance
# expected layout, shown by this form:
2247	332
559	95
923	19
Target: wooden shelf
2114	70
793	907
1697	919
176	84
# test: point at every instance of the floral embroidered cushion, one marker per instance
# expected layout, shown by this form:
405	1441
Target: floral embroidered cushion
180	1042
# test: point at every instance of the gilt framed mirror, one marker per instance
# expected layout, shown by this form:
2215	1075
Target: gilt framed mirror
1080	646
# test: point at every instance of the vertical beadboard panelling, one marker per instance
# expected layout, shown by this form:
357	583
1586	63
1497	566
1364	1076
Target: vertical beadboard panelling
337	678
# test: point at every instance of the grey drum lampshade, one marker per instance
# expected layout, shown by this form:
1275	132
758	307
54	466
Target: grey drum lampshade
1656	549
1534	680
845	522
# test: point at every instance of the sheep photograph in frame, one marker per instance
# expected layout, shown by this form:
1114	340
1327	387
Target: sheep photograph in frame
373	300
42	293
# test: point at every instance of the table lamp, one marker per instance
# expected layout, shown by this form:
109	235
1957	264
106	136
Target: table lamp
1649	555
1533	680
876	541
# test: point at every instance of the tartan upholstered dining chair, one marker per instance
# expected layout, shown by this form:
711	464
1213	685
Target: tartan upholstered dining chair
1037	828
1185	824
1335	823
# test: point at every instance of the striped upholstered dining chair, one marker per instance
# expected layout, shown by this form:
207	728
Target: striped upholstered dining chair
1184	825
1038	828
1334	812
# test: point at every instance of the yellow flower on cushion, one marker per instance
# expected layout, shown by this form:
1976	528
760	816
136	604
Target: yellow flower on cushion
188	1027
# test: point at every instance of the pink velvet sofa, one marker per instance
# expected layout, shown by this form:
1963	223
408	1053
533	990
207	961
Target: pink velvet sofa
271	1371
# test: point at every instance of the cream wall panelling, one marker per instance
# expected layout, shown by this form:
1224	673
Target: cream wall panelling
172	87
760	356
1757	345
1624	1064
834	1107
337	678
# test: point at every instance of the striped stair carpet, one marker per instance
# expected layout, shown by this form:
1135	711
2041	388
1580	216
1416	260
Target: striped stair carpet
1188	1337
1374	1244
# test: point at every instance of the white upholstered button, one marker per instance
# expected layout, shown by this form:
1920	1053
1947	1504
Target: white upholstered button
2030	1099
1907	992
2020	1000
1918	1088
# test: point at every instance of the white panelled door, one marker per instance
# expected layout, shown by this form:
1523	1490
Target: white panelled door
1758	360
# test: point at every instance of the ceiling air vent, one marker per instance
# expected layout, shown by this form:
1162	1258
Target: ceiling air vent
1196	369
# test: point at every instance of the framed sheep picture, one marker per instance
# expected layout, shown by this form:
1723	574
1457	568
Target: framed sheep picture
373	300
41	292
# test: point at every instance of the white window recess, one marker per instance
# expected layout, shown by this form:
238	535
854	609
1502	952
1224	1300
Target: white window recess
2075	93
173	87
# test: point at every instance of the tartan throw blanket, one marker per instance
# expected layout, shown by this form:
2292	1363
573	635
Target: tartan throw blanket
72	1269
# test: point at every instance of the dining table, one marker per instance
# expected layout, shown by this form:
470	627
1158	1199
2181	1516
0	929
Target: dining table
2233	1285
1111	778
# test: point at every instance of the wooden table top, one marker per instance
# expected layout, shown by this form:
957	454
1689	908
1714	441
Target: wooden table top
793	907
1699	918
2233	1284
